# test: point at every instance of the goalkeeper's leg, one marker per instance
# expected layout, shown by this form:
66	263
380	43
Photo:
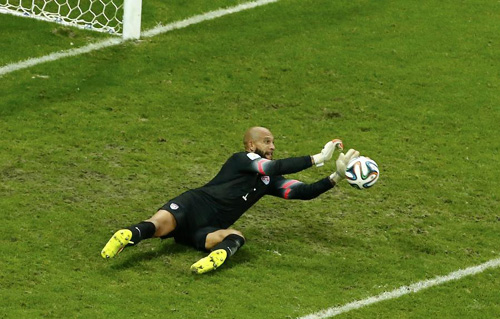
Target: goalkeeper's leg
162	223
223	243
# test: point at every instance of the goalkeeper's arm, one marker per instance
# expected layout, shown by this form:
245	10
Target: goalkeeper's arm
294	189
290	165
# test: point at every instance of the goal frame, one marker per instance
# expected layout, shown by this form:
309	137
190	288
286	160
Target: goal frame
131	20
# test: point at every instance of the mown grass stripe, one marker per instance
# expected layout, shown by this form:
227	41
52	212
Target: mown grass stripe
146	34
404	290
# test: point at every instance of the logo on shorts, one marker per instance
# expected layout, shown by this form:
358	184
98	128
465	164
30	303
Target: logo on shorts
265	179
174	206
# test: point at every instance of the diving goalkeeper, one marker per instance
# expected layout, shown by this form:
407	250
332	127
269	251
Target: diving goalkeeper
202	217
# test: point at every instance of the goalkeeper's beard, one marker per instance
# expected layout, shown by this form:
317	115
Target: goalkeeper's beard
263	154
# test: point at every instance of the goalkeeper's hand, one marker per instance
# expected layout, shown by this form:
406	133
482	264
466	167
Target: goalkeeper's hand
342	165
327	152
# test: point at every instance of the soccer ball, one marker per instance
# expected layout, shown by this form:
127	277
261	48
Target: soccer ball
362	172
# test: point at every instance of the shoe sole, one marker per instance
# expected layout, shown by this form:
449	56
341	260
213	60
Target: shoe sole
116	244
209	263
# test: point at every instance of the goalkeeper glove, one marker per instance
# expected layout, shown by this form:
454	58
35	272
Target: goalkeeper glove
327	152
342	165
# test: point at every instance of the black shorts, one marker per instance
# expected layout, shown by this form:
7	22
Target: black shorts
195	220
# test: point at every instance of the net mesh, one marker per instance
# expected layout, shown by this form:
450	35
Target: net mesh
97	15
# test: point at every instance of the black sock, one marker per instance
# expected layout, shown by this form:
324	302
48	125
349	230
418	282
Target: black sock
143	230
230	244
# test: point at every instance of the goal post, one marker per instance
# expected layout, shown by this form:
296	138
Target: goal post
132	11
117	17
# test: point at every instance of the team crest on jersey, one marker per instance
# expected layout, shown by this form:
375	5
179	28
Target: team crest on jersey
174	206
265	179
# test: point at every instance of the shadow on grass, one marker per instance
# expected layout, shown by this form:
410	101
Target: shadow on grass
136	255
171	248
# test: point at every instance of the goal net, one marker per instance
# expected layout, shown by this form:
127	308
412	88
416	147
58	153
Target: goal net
116	17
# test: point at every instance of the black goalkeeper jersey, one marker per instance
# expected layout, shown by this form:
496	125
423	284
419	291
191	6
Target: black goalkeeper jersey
246	177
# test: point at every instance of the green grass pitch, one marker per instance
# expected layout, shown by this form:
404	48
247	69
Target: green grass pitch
93	143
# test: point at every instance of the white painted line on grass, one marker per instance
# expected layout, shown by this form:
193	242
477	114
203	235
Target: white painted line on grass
204	17
59	55
146	34
404	290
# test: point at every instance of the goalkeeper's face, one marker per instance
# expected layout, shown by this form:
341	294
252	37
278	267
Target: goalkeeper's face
264	144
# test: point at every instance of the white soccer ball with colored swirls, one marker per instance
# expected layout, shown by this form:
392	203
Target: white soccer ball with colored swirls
362	172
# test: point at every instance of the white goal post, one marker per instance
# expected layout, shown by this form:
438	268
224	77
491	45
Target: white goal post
117	17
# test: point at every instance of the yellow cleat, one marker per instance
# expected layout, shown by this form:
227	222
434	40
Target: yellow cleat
209	263
116	244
